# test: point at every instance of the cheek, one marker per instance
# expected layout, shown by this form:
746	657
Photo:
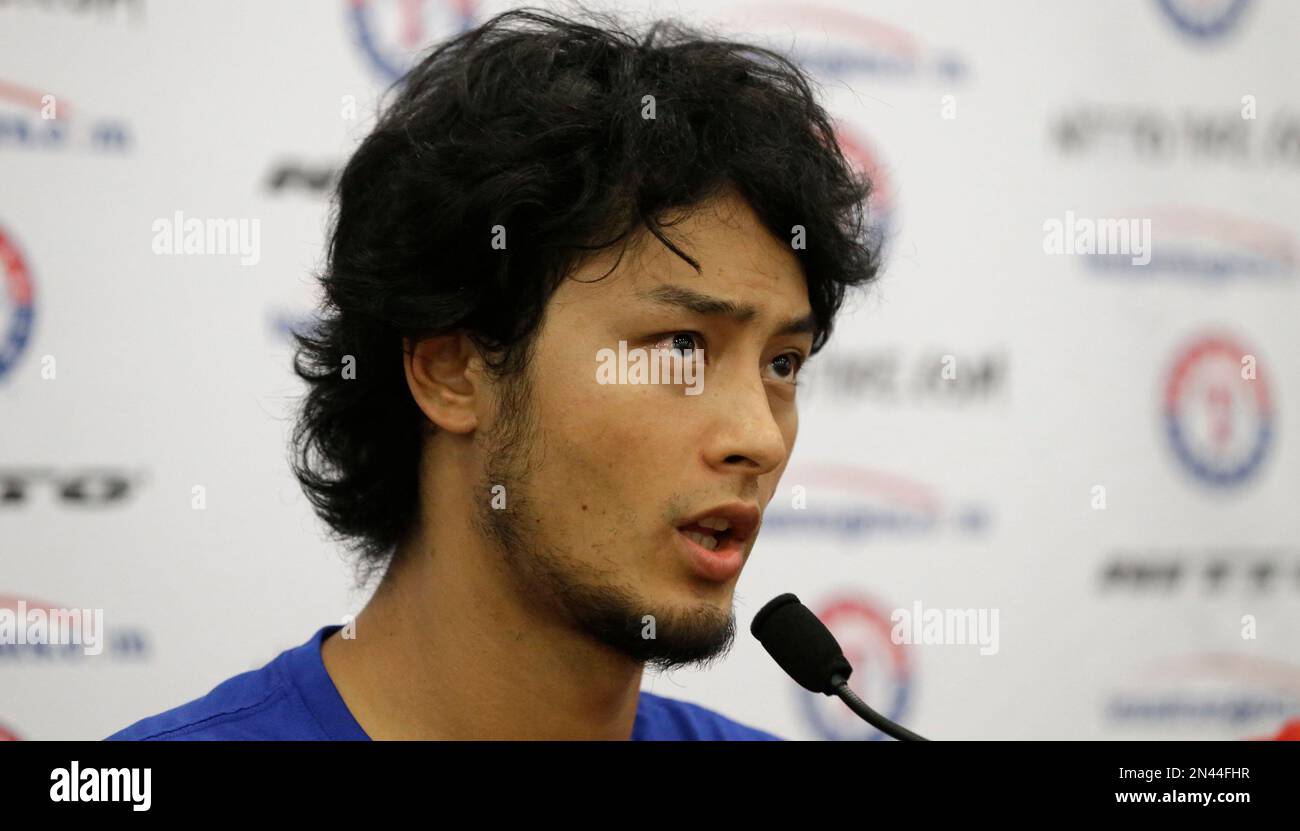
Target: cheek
789	421
789	424
597	446
595	479
618	431
769	484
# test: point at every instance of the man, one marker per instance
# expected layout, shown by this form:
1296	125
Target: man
541	196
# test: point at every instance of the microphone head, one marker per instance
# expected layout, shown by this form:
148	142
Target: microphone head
800	643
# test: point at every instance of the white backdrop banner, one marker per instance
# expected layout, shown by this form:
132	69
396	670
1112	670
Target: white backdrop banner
1046	479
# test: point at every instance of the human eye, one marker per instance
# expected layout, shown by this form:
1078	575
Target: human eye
787	366
679	341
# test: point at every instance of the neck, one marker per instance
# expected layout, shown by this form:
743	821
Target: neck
446	649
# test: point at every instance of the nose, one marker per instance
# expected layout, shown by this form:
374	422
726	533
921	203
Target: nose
747	436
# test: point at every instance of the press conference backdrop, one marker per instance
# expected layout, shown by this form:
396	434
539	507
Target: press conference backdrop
1045	485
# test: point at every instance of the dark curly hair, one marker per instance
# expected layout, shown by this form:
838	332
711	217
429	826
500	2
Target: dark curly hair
534	122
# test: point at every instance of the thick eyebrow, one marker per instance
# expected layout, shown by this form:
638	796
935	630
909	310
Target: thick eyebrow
706	304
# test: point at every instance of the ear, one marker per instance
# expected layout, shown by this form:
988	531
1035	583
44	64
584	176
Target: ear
444	376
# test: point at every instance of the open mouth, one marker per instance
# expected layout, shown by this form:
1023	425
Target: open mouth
723	526
715	539
711	532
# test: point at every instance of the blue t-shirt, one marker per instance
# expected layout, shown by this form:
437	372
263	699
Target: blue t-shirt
293	698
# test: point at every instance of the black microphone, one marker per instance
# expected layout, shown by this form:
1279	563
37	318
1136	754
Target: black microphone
809	654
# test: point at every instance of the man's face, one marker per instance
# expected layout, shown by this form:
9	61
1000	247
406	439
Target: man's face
601	478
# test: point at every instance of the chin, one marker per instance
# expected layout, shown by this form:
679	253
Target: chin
698	600
694	592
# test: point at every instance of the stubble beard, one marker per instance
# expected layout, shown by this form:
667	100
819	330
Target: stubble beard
553	582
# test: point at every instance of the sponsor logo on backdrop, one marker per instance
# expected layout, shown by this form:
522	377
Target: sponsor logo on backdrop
1204	20
282	323
1218	411
100	487
97	11
119	643
17	306
1154	135
840	43
882	672
392	32
1237	695
888	377
1208	247
292	176
33	119
847	502
1223	571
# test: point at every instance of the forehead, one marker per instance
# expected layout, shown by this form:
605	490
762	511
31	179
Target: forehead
739	260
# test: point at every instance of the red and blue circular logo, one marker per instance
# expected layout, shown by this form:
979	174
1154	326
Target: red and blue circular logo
1218	410
16	307
880	203
392	32
881	670
1204	19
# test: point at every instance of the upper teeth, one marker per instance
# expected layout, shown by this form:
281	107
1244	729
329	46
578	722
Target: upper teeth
716	523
